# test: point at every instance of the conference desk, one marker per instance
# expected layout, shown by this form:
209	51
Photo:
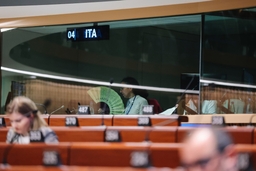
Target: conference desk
140	134
156	120
166	134
84	168
80	134
104	154
83	120
240	135
32	154
111	120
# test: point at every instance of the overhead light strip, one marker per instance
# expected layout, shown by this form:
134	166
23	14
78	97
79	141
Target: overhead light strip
227	83
172	90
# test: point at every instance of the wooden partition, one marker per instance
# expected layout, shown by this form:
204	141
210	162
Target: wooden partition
141	134
156	120
104	154
80	134
84	120
240	135
31	154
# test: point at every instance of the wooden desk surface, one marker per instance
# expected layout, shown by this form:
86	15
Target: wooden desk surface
169	153
104	154
240	135
84	120
140	134
132	120
80	134
18	153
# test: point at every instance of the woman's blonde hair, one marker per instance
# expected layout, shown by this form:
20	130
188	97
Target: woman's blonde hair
26	107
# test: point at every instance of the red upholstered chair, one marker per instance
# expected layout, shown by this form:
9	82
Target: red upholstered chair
157	107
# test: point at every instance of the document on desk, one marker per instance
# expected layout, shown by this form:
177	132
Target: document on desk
168	111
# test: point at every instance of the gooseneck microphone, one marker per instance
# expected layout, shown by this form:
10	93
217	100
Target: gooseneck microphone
45	105
54	112
57	109
105	104
251	118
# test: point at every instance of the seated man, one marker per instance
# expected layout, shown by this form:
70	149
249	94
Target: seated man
208	149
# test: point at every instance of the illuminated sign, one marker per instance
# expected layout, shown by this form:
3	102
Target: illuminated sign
88	33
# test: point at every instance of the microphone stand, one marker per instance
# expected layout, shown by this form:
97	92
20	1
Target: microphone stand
45	110
54	112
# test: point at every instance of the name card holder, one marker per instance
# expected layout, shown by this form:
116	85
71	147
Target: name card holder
36	136
140	159
218	121
148	109
51	158
83	110
2	122
144	121
112	136
71	121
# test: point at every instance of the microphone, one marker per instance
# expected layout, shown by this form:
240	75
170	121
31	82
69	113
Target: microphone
45	105
68	111
57	109
54	112
250	123
173	109
105	104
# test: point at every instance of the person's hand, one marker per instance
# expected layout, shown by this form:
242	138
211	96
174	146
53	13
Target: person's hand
100	111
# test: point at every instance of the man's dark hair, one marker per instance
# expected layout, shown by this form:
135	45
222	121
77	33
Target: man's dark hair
130	80
222	137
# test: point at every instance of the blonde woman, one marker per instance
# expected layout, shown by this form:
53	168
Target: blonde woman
24	117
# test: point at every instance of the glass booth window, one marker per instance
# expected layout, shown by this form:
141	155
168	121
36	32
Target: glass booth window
157	52
228	62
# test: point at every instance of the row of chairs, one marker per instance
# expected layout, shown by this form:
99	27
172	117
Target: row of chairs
102	154
167	134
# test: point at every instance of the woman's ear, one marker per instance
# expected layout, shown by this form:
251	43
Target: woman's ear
31	116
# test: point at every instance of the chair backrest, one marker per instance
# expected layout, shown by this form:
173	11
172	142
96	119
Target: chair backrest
157	107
